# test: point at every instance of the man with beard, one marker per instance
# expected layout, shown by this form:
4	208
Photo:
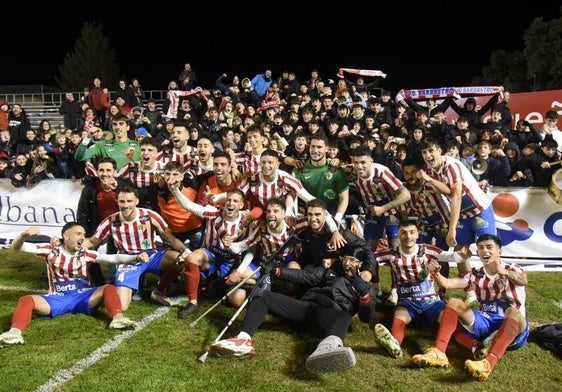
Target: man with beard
97	201
324	181
221	180
133	231
204	159
179	150
317	239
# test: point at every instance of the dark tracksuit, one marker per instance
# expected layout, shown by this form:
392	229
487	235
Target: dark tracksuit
325	309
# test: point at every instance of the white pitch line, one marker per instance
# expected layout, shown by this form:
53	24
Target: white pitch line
65	375
21	288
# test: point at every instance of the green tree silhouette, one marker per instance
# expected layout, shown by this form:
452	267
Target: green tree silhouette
91	57
538	67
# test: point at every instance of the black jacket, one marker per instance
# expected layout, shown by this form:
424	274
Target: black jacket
332	288
315	248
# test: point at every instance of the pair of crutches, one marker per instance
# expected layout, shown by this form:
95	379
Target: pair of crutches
293	239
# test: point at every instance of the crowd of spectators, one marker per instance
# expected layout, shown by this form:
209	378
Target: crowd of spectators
289	112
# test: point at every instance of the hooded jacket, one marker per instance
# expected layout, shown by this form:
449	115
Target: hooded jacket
519	163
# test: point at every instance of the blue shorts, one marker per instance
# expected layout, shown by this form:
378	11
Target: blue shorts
440	236
128	275
468	230
376	226
221	264
428	310
72	301
487	323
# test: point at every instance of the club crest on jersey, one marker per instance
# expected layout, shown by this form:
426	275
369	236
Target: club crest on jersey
144	218
478	274
329	175
116	223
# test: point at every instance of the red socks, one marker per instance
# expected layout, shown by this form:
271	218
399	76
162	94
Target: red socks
23	313
448	326
506	335
111	300
398	330
192	277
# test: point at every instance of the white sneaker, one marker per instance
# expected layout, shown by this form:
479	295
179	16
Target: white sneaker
385	339
161	298
331	356
122	323
233	347
11	337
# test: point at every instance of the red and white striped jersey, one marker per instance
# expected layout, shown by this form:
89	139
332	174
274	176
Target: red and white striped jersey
494	287
428	206
473	199
63	266
187	158
282	184
140	177
406	269
217	227
380	187
250	163
198	168
270	242
135	236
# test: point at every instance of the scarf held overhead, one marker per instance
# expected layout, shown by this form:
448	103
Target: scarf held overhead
361	72
444	92
174	97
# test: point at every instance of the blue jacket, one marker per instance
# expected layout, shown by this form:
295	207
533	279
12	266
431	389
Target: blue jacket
261	84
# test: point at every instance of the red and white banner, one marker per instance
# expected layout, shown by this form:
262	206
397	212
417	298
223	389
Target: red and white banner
361	72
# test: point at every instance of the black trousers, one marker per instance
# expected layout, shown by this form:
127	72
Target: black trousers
314	319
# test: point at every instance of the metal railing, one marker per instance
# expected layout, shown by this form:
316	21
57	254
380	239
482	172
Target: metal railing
45	105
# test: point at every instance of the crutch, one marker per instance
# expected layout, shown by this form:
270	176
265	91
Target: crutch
224	297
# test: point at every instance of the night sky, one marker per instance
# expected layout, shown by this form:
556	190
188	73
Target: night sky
416	46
